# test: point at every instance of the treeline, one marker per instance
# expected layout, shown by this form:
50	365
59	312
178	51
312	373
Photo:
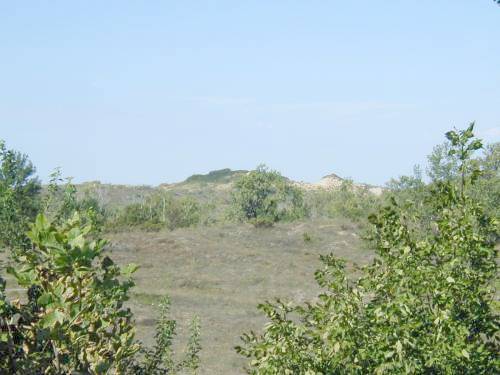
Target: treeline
262	197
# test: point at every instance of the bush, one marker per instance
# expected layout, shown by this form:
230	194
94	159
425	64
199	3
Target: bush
159	211
353	202
423	306
347	201
75	319
61	202
263	197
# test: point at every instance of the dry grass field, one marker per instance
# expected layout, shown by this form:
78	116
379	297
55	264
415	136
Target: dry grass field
221	273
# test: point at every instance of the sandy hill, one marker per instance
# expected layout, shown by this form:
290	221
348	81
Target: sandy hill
210	187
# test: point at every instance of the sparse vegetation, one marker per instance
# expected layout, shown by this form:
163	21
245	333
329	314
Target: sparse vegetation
221	278
159	359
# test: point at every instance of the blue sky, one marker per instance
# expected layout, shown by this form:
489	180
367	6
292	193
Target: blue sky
144	92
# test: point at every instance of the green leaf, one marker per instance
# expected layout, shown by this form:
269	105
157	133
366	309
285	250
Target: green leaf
77	241
102	367
471	127
399	346
129	269
44	299
52	318
24	277
465	353
389	354
336	347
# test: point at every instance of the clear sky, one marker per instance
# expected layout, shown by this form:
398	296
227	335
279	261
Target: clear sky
144	92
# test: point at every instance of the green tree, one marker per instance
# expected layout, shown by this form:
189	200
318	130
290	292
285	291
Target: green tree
19	193
490	162
264	196
441	165
445	165
423	306
487	188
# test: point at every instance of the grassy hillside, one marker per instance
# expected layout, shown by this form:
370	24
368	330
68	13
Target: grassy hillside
222	272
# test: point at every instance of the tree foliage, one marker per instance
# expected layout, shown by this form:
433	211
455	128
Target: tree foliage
442	166
264	196
487	188
19	190
423	306
74	319
61	201
445	164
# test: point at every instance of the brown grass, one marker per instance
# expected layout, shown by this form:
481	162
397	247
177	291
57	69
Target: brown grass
221	273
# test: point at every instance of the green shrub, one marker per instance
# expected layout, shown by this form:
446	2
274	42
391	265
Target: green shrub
159	211
264	197
61	202
423	306
347	201
75	319
134	214
353	202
